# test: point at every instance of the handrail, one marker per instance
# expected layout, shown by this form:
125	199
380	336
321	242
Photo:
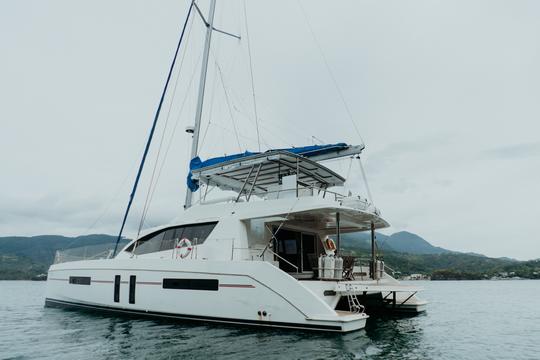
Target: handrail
287	261
337	196
64	256
389	268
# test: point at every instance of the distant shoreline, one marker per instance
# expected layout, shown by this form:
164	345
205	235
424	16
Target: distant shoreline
439	280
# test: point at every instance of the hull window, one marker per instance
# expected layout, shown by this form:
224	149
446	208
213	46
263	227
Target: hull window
191	284
79	280
117	288
132	283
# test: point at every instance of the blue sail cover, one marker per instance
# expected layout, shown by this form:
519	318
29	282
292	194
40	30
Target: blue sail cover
307	151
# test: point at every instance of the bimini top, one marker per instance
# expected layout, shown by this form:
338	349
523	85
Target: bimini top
261	170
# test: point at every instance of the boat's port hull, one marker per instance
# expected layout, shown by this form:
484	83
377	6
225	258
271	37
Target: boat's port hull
409	309
186	317
383	302
248	293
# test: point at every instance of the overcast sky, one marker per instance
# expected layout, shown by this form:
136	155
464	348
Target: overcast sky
446	95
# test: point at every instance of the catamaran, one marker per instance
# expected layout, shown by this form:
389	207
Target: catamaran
271	255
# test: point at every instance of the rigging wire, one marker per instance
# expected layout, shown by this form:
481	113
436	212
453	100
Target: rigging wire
105	209
349	169
229	107
226	129
110	202
205	132
251	74
150	136
263	127
365	180
210	111
174	130
314	138
152	184
271	132
290	129
329	69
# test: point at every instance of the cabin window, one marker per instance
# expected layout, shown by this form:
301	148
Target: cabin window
80	280
169	239
191	284
149	245
165	239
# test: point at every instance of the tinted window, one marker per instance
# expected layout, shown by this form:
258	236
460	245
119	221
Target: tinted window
191	284
169	239
148	245
79	280
166	239
197	234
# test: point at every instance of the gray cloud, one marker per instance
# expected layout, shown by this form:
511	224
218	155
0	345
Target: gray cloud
445	95
524	150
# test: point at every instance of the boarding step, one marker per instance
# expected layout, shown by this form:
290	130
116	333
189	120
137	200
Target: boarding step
356	288
352	300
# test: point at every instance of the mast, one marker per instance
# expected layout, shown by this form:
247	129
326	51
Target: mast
202	84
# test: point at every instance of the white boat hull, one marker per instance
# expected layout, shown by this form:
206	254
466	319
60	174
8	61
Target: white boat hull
246	292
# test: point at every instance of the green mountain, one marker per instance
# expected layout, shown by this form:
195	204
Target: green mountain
404	252
42	248
27	257
13	267
456	266
408	253
403	242
407	242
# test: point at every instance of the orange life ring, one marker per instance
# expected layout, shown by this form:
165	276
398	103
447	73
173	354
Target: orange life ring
330	244
183	248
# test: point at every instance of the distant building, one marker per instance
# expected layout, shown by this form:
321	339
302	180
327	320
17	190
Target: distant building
416	277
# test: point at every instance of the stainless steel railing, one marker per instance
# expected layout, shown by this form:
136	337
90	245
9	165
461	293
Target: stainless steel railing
91	252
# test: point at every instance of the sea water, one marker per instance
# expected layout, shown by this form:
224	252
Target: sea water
464	320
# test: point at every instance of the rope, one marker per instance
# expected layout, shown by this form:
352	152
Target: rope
252	80
340	93
150	136
229	106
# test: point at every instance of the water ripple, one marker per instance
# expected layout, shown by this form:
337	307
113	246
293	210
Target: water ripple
480	320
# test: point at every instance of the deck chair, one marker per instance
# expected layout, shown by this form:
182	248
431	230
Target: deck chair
348	267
